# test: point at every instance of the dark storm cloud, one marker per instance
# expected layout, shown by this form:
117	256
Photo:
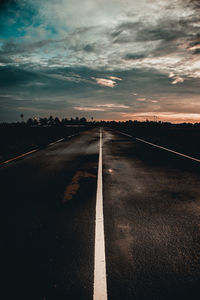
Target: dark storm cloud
165	29
196	42
52	57
196	3
42	93
12	76
161	32
76	81
89	48
125	26
55	80
158	39
3	3
197	51
16	48
130	56
5	59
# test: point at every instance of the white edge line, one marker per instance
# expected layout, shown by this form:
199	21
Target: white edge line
27	153
17	157
163	148
169	150
56	142
30	152
125	134
100	281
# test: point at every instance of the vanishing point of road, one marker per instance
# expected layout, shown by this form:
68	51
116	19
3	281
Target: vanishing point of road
100	216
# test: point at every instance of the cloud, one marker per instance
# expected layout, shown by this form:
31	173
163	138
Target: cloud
56	58
130	56
178	79
86	108
195	74
51	35
114	78
106	82
141	99
112	105
15	48
102	107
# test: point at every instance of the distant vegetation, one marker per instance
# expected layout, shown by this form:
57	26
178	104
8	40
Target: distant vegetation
184	137
20	137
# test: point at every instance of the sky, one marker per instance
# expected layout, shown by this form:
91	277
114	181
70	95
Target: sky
110	60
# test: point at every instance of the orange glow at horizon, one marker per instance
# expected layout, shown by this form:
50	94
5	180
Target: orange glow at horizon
163	117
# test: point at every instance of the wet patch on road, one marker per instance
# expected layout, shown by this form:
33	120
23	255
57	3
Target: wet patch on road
152	210
124	241
74	186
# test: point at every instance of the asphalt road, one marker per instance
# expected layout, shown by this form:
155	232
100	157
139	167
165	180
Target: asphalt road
151	221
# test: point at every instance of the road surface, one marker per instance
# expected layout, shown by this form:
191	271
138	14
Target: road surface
150	213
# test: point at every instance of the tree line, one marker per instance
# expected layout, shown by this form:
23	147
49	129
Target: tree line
51	121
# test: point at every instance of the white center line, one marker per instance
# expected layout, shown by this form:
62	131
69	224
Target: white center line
100	282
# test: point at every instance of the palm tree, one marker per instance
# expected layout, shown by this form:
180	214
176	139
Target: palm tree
22	117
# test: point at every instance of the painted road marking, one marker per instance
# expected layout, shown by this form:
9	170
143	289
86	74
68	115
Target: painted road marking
28	153
17	157
100	281
125	134
169	150
163	148
56	142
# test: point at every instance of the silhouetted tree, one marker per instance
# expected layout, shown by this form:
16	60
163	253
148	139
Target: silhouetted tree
22	117
43	121
51	121
83	120
30	122
64	121
35	121
57	121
